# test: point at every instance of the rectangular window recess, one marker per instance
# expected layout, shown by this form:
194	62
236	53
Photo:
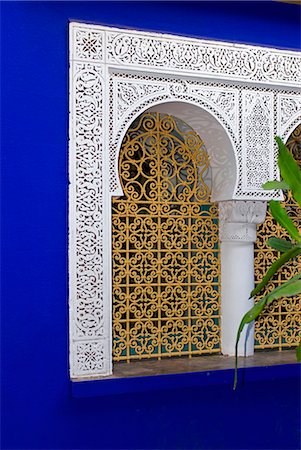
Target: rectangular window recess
198	372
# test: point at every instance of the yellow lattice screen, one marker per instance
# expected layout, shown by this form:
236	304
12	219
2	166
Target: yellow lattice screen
280	326
165	245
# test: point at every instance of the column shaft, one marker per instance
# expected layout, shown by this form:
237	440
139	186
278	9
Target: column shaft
238	221
237	273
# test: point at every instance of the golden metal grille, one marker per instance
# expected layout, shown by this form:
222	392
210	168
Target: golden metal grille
165	245
280	326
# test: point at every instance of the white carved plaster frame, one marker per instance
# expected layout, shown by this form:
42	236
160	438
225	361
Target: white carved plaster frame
237	84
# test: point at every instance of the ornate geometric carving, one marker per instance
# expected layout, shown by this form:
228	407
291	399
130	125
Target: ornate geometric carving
224	99
89	358
251	130
88	44
289	107
237	232
257	138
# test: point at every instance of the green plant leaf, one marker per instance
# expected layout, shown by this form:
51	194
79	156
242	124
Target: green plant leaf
282	245
251	315
289	170
280	215
269	185
292	253
298	352
286	283
288	289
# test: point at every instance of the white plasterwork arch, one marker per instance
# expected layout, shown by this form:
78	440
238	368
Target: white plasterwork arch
219	142
251	93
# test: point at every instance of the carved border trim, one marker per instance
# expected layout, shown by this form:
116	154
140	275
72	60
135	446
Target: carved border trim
169	53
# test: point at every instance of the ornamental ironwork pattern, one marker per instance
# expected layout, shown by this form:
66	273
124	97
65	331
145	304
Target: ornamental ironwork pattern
279	327
165	244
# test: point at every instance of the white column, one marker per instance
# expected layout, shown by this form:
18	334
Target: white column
238	221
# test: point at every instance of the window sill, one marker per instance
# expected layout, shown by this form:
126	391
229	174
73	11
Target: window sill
203	371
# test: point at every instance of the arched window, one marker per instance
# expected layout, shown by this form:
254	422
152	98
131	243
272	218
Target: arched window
166	270
109	88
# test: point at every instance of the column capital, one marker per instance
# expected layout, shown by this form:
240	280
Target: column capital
238	219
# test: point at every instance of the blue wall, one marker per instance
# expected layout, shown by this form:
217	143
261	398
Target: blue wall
39	410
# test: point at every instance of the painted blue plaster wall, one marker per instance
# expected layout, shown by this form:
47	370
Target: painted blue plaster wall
38	408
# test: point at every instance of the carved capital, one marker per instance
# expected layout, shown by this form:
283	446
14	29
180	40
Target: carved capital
240	211
238	219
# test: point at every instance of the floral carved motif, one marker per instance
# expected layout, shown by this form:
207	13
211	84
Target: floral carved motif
204	57
226	100
289	110
276	66
257	138
127	93
86	136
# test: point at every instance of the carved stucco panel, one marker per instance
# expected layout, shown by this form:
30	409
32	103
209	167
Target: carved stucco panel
86	200
224	99
257	138
89	357
88	43
127	93
289	113
206	58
